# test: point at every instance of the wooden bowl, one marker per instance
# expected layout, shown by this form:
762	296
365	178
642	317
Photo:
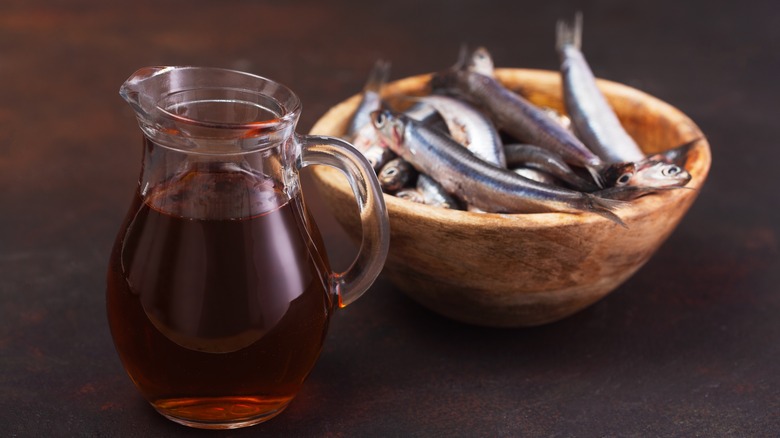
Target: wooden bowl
511	270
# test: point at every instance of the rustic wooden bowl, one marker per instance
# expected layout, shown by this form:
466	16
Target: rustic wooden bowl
510	270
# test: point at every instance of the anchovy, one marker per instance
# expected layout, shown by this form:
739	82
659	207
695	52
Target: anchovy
515	115
411	194
371	99
594	120
434	194
479	183
546	161
367	141
427	192
359	130
469	127
395	175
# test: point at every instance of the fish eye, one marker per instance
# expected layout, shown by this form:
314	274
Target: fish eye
672	170
624	179
379	119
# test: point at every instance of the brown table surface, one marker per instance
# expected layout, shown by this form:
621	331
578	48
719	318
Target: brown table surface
689	346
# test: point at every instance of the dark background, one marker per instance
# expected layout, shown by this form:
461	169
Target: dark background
689	346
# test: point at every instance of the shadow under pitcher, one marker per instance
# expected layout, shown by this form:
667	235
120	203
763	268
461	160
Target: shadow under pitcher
219	288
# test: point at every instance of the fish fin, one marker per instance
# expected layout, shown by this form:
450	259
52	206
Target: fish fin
378	76
463	58
595	173
605	208
569	34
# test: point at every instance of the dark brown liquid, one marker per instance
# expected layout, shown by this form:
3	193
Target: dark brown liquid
218	320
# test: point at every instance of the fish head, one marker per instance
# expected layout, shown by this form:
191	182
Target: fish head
646	173
395	174
389	127
653	173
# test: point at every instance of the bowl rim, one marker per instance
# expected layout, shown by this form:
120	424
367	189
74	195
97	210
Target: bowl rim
411	85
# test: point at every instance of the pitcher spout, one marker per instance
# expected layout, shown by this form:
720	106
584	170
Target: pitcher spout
142	90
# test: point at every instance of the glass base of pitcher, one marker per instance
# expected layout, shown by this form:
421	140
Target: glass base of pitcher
221	412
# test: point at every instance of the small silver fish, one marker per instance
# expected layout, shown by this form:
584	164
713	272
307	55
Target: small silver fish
477	182
434	194
411	194
515	115
371	99
546	161
395	175
480	61
367	141
593	118
469	127
359	130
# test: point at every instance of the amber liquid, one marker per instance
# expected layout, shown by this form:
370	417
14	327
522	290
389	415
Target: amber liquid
218	319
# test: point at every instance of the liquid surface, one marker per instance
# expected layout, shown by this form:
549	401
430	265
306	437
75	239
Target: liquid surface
218	319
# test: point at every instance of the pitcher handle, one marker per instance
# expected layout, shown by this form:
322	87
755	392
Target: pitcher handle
330	151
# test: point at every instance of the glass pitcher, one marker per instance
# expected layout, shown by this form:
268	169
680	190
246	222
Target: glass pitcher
219	288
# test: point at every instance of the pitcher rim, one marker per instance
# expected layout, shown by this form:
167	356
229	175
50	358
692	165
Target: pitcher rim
130	88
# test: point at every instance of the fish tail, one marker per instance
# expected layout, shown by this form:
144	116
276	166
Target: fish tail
443	81
569	34
480	61
605	208
463	58
378	76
